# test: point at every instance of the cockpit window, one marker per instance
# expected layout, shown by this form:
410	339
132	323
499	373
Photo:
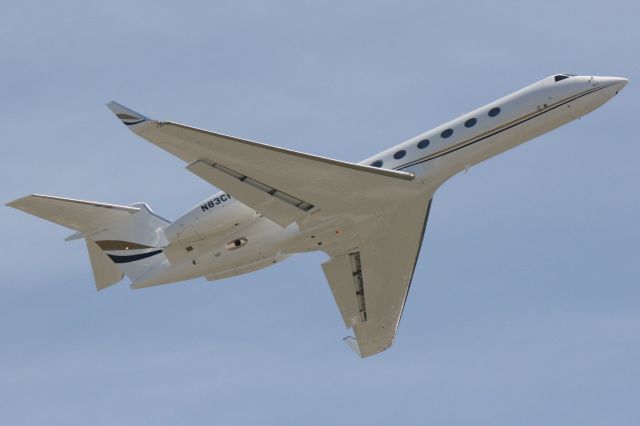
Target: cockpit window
560	77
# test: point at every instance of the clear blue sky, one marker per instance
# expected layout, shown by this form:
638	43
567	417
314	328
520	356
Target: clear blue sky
525	306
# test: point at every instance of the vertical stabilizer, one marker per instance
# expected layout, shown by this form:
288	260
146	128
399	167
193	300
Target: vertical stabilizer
105	272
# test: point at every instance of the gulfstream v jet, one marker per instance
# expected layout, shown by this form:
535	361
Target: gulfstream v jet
369	218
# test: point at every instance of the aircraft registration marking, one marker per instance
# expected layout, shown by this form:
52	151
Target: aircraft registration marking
215	201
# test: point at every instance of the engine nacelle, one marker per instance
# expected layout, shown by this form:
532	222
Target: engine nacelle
218	214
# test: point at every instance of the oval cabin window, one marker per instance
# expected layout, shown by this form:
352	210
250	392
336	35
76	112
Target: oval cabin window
447	133
423	144
398	155
494	111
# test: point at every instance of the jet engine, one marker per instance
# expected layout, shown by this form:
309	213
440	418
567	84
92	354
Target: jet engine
217	215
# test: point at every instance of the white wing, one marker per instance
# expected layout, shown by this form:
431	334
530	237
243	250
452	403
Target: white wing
283	185
385	211
370	283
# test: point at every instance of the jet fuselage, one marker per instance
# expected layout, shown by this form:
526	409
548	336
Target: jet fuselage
221	237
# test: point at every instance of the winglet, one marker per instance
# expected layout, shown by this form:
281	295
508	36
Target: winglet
353	344
128	116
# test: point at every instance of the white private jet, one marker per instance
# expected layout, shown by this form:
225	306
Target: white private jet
369	218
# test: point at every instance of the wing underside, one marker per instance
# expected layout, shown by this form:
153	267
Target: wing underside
371	283
386	210
284	185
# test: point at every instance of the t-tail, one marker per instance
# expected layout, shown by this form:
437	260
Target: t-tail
121	240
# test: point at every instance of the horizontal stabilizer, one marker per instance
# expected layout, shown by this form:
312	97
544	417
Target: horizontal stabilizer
83	216
121	240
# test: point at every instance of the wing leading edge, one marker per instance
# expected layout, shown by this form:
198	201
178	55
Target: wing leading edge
282	184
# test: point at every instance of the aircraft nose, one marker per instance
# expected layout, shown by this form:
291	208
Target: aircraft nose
621	82
617	82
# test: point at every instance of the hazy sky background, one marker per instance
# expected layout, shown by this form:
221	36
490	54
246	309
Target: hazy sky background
525	306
